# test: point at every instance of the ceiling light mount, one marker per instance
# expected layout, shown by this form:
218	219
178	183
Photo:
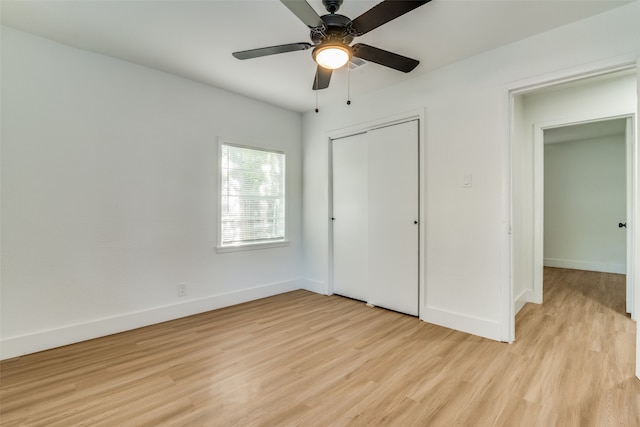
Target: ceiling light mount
332	6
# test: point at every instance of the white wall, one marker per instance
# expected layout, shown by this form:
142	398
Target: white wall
584	200
109	196
466	132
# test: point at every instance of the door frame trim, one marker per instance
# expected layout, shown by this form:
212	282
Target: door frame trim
538	204
515	89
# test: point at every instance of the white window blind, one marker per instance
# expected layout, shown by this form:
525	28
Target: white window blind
252	195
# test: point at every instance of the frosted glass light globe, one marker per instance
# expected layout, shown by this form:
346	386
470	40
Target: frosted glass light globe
332	56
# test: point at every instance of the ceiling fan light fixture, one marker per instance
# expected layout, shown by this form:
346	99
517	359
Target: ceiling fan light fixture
332	34
332	55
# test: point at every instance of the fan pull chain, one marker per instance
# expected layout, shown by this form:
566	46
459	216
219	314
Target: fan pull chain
348	84
317	91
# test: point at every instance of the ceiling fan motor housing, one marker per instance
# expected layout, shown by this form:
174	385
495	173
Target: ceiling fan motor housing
336	28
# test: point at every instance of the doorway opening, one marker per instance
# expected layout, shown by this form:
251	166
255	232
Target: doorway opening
585	197
559	111
585	212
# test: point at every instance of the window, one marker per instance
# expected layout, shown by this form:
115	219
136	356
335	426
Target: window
252	196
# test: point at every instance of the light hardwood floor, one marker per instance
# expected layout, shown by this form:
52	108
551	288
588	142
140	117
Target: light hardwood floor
311	360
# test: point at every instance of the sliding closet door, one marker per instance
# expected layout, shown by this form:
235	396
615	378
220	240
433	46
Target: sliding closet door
350	217
375	210
393	237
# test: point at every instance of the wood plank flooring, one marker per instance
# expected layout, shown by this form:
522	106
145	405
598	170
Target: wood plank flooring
311	360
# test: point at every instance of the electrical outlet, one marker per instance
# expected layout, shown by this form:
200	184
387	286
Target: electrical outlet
182	290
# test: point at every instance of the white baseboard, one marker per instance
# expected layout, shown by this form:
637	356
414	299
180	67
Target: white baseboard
604	267
472	325
44	340
524	297
314	286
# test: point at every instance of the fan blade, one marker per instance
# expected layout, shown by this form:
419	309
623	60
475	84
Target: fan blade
384	12
322	78
382	57
304	12
271	50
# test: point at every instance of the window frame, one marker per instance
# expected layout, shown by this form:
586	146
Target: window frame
237	247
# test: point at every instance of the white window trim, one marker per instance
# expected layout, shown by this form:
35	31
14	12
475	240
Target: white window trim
248	246
251	246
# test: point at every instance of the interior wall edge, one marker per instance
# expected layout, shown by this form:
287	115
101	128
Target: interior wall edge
47	339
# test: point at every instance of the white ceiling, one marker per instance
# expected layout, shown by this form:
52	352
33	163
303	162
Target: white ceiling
195	39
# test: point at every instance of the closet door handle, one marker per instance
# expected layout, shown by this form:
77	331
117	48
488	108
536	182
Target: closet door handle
620	225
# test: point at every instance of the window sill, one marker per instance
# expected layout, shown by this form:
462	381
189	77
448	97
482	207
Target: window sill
252	246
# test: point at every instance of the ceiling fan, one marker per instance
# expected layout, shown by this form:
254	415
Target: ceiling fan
331	35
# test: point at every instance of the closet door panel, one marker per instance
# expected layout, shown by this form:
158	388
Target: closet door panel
393	212
350	240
